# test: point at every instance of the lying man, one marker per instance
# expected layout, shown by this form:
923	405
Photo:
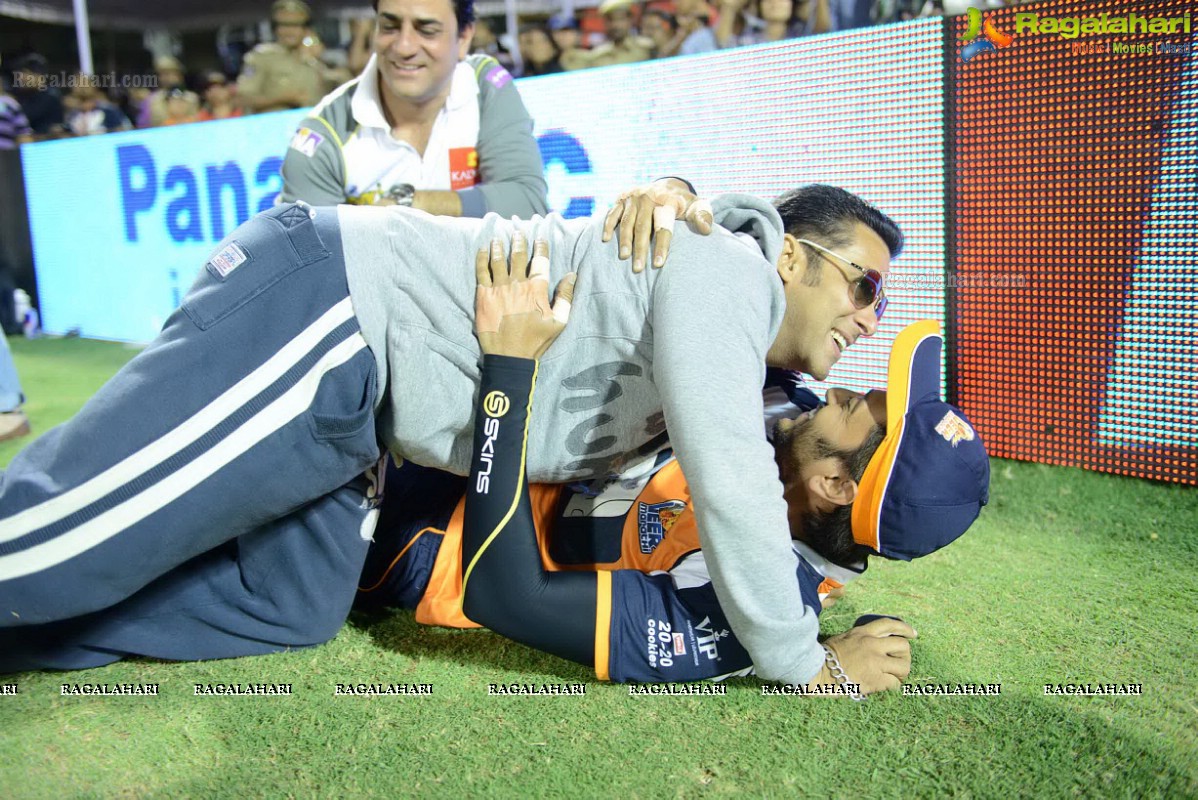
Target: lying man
209	501
619	580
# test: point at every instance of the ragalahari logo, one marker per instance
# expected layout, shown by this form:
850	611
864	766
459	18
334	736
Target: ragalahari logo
994	40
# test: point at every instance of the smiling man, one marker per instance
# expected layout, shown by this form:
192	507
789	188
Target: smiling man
424	126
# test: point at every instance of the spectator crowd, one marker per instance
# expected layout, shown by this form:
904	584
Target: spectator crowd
295	69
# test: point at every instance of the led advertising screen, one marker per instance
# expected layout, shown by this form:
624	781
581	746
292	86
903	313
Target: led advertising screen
1076	202
862	110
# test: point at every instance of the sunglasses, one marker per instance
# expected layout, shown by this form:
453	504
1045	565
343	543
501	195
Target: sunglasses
867	290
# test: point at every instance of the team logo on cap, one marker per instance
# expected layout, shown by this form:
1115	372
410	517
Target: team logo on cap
496	404
954	430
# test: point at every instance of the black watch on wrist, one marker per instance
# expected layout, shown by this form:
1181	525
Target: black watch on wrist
403	194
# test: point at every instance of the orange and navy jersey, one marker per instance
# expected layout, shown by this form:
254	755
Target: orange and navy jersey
658	618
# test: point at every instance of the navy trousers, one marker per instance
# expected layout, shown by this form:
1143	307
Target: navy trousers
216	497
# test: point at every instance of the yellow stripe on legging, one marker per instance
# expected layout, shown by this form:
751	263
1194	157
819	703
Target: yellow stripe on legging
602	624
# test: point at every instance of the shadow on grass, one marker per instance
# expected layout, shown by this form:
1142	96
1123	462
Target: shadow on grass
1012	745
398	631
918	747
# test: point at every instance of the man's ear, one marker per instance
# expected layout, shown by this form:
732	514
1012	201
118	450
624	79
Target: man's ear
465	37
792	261
830	484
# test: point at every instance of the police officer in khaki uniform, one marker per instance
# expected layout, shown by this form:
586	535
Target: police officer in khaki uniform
283	74
622	45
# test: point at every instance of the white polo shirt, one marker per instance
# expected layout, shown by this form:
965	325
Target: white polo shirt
375	160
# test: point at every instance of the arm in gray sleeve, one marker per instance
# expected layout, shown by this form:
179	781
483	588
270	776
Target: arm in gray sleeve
715	313
509	161
314	168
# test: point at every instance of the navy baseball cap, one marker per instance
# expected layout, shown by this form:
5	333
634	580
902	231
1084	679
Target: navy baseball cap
930	477
562	21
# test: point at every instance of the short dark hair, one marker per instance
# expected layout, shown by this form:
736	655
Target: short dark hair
533	27
462	9
664	16
831	533
34	63
826	214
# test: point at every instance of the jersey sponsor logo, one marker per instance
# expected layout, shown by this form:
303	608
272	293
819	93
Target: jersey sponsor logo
679	644
954	430
496	404
654	521
228	260
662	641
708	644
463	167
306	141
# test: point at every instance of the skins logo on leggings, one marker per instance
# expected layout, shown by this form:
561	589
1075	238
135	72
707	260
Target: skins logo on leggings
494	406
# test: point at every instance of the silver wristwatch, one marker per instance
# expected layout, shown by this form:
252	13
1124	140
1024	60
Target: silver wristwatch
402	193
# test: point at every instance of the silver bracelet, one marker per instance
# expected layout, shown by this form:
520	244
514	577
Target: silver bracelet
839	674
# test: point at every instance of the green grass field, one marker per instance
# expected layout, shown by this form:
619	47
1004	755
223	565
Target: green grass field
1069	576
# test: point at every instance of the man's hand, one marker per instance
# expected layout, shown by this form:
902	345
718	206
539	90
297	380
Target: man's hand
876	655
512	315
652	210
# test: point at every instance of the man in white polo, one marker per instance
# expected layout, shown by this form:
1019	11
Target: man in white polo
424	126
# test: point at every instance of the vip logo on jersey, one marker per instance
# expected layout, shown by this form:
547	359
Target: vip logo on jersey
306	141
463	167
654	521
954	429
708	644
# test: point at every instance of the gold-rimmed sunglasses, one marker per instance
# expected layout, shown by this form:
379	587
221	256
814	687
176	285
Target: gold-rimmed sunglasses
867	290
